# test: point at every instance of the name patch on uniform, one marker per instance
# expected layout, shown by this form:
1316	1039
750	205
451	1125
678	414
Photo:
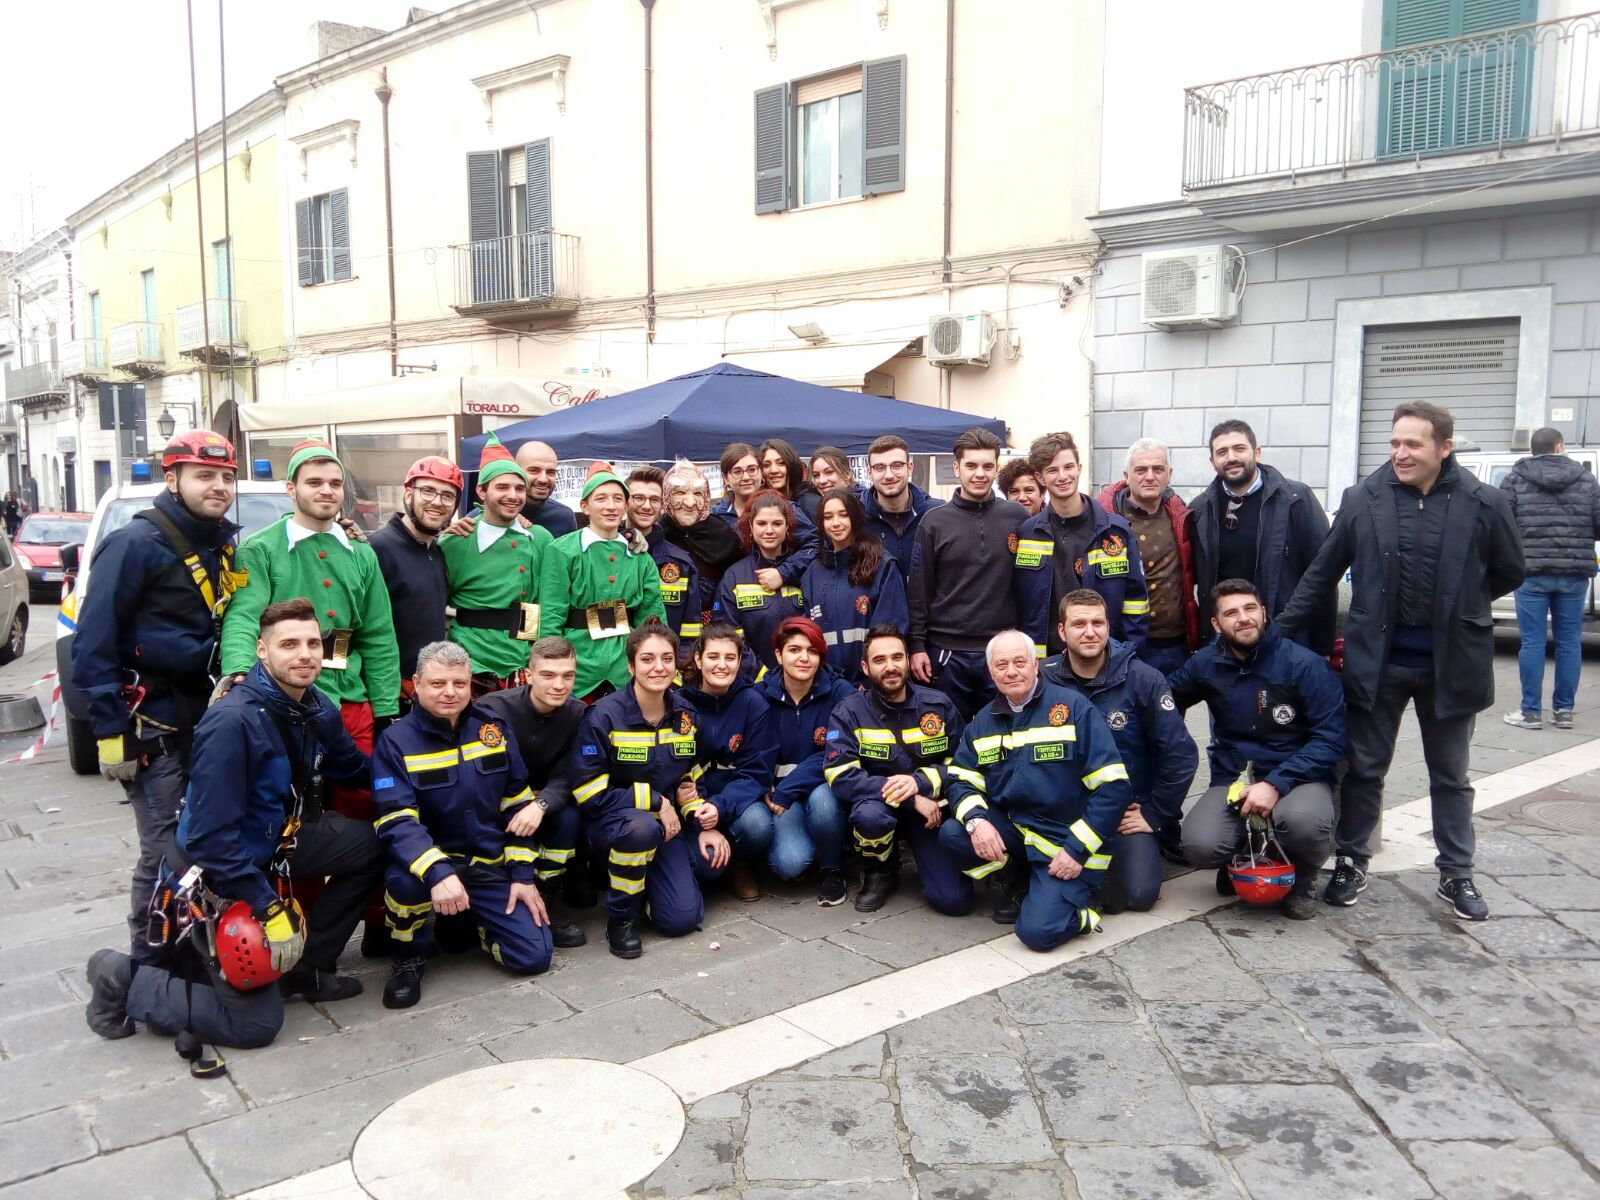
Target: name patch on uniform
1049	752
683	749
935	745
873	750
1114	564
749	595
635	754
988	757
379	785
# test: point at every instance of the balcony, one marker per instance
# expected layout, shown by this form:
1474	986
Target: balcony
136	348
36	386
213	332
1487	109
518	278
84	359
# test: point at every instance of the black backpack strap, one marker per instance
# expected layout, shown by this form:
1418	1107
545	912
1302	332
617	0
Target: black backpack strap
203	582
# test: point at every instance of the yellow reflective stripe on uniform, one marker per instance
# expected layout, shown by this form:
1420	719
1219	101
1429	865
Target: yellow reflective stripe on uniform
668	738
1104	775
1039	650
524	794
992	742
1098	862
1034	546
967	776
1091	840
935	780
431	762
395	816
690	629
1088	921
624	858
912	736
987	869
965	809
1038	734
875	737
419	866
628	887
628	737
698	770
690	808
641	795
472	750
588	791
833	773
1135	608
520	854
1039	842
406	910
554	855
481	860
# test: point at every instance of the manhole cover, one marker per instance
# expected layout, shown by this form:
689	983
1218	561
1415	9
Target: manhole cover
1571	815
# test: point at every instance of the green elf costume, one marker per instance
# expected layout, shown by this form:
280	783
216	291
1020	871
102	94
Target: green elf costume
341	578
494	585
592	591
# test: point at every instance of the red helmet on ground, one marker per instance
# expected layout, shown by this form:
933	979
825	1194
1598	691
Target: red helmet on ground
201	447
242	954
1261	873
440	470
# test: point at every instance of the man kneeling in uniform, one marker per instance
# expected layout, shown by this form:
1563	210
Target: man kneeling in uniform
448	783
1037	788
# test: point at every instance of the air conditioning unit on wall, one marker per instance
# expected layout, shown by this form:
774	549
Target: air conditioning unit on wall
1196	288
960	339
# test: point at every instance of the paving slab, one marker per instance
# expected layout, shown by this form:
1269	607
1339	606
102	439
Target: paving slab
93	1067
1467	1171
1434	1092
1146	1172
1583	851
1424	952
44	1030
1532	937
1551	892
1586	923
1580	1131
24	997
976	1183
860	1060
702	1163
1385	909
1269	945
1491	995
77	890
1088	990
1306	1141
1109	1083
975	1026
163	1107
915	936
1572	982
764	983
41	1143
1547	1068
1500	852
876	1190
961	1108
724	1106
793	911
1235	1042
279	1141
1187	961
1348	1007
837	1130
164	1170
618	1032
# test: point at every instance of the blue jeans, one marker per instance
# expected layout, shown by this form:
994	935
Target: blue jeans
812	829
1560	599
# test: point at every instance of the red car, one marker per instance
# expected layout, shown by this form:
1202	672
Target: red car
38	546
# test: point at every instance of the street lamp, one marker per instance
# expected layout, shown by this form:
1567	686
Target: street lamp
166	423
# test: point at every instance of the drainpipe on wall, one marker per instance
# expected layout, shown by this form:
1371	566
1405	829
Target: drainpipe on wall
945	380
649	185
384	94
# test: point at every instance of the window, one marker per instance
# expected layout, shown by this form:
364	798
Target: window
831	137
94	314
512	253
222	267
322	236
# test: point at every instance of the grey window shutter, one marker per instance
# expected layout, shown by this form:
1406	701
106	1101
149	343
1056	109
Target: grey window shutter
489	278
774	134
303	247
883	141
541	257
339	227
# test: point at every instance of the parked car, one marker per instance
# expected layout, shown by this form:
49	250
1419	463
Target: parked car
259	504
38	545
13	604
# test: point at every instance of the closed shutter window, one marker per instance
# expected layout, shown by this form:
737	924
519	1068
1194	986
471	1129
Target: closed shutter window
773	122
883	86
1469	367
305	251
339	235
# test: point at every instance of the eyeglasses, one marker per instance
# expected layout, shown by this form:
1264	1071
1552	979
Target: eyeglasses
741	472
430	495
646	501
885	468
1230	519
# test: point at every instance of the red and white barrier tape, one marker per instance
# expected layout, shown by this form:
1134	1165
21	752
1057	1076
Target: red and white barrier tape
43	739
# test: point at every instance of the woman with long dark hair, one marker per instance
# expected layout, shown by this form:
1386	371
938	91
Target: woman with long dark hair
745	597
852	584
784	473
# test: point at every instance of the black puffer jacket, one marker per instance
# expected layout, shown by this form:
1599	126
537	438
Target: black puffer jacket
1556	502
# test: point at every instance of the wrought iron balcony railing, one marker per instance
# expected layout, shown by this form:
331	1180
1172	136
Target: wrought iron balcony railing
1485	92
34	381
522	274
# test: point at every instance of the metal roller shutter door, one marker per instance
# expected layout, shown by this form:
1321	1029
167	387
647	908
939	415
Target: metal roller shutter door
1469	367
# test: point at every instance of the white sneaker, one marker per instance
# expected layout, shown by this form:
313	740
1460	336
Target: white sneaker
1522	720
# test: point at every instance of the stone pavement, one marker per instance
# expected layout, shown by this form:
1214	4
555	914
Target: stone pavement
1383	1051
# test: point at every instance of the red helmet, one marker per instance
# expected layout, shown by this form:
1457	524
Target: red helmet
242	954
1261	873
199	446
440	470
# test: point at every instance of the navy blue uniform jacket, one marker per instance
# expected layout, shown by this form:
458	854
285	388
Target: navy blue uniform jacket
743	602
1111	566
899	543
680	585
801	732
621	761
736	749
870	739
846	611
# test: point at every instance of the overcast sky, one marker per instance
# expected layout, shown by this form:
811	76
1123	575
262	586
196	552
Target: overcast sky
93	90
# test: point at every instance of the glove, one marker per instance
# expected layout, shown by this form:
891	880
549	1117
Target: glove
224	686
285	934
114	761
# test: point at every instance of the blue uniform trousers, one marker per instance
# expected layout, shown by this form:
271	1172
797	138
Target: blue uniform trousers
962	675
1135	873
511	939
644	870
877	826
1054	910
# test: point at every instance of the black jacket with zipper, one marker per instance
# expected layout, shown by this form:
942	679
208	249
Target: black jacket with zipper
1556	504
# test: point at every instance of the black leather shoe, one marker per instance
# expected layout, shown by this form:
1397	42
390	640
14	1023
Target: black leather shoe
623	937
1225	883
1301	902
567	935
375	941
405	983
877	885
318	987
1013	887
110	973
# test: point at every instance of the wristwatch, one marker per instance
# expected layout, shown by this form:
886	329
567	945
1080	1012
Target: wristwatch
970	824
540	801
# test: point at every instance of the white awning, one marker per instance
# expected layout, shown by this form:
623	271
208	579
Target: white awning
436	394
827	365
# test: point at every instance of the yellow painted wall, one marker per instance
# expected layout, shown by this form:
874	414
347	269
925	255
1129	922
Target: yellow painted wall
152	236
